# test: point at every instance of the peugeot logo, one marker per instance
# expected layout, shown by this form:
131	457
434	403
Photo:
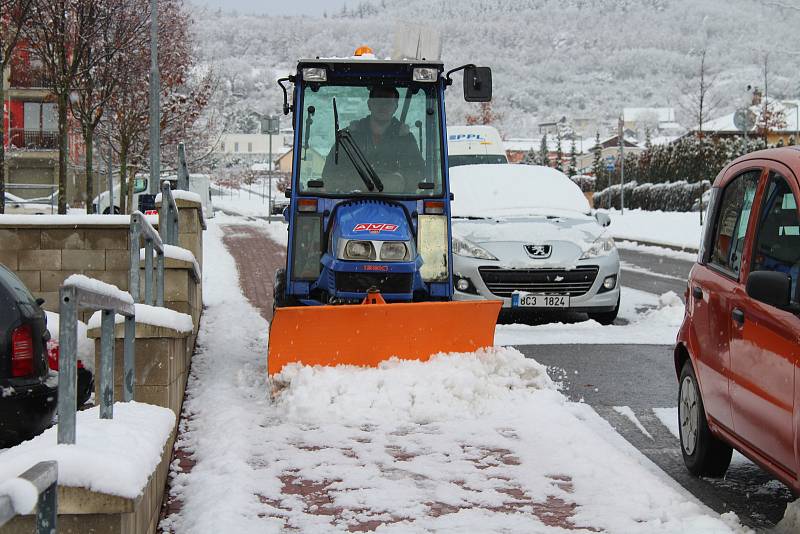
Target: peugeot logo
539	251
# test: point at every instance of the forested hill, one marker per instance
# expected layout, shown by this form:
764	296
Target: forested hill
581	58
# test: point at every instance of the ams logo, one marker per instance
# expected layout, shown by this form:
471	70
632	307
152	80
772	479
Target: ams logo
375	228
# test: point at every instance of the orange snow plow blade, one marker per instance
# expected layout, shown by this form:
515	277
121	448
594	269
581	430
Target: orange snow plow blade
370	333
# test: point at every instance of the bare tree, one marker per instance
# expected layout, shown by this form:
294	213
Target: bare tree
14	16
181	102
119	24
60	34
700	99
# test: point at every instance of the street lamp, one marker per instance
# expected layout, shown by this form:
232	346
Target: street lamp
270	125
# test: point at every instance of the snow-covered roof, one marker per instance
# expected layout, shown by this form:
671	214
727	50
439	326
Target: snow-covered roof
661	114
790	109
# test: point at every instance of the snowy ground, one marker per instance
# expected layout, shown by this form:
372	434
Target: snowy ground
478	442
670	228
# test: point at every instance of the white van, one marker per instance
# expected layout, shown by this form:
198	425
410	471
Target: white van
473	145
198	183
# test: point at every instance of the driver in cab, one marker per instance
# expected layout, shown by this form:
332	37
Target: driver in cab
386	143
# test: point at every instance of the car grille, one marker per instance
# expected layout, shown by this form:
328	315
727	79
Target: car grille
384	282
575	282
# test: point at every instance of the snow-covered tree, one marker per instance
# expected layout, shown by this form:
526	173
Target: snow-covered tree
544	153
573	160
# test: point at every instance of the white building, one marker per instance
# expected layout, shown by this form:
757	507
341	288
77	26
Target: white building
252	147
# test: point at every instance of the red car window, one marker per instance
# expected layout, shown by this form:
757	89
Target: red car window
777	245
732	220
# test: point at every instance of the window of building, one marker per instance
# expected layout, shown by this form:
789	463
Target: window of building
236	147
249	147
222	146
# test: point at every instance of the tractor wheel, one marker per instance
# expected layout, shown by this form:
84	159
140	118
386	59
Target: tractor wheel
279	297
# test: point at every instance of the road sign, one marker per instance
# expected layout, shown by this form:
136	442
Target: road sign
744	119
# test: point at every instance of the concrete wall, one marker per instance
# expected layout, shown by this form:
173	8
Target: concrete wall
44	255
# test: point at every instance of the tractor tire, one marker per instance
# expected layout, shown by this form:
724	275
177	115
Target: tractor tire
703	453
279	297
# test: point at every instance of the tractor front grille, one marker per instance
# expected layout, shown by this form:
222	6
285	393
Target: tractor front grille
384	282
575	282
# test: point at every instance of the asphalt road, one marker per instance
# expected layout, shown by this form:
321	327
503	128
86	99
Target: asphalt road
642	377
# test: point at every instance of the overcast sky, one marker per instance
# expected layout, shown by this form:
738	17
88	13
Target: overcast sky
277	7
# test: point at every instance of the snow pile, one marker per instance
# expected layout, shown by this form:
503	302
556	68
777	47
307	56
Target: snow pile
447	386
668	228
65	220
176	253
180	194
114	456
23	494
790	523
152	315
652	320
90	284
85	345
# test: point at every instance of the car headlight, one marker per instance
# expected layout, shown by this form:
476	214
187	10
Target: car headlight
393	251
602	246
462	247
359	250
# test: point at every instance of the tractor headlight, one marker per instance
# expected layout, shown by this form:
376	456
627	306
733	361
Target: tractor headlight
359	250
393	251
425	74
602	246
315	74
432	246
462	247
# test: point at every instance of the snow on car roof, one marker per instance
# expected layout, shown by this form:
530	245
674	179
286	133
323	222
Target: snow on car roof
512	189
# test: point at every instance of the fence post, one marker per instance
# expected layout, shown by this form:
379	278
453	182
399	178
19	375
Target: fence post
107	364
183	170
148	271
160	279
129	356
68	364
47	504
133	237
163	220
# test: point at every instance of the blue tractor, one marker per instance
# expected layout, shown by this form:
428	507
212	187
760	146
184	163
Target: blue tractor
369	216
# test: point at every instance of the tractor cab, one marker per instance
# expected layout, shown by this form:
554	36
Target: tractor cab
370	202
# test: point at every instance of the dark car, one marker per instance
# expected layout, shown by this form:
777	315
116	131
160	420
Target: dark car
28	390
738	353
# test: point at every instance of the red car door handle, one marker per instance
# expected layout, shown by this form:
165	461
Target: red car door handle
738	316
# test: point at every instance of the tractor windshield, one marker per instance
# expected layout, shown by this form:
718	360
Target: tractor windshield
381	140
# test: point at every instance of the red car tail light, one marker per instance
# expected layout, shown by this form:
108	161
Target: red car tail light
22	351
52	354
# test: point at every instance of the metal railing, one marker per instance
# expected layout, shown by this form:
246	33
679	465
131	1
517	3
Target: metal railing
74	297
168	215
142	229
33	139
44	477
183	170
50	200
24	75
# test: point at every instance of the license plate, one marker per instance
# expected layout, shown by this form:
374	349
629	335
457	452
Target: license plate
521	299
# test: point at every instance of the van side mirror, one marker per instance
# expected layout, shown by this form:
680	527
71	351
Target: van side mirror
602	218
478	84
771	287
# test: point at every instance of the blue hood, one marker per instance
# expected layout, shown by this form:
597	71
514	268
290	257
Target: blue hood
372	220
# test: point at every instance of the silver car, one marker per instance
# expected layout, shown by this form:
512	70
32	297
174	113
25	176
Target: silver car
524	234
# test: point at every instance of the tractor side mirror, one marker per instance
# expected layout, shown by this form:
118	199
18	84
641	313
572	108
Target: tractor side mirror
478	84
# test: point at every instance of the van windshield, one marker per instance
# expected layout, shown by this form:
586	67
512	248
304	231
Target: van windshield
381	140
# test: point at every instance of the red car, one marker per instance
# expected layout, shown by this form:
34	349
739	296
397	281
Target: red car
738	351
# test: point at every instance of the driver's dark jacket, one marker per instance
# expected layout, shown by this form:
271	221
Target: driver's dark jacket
394	152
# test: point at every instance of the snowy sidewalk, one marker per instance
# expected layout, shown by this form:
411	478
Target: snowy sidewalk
471	443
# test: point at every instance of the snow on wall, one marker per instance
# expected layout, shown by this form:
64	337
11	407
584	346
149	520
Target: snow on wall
180	194
154	316
114	456
90	284
176	253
